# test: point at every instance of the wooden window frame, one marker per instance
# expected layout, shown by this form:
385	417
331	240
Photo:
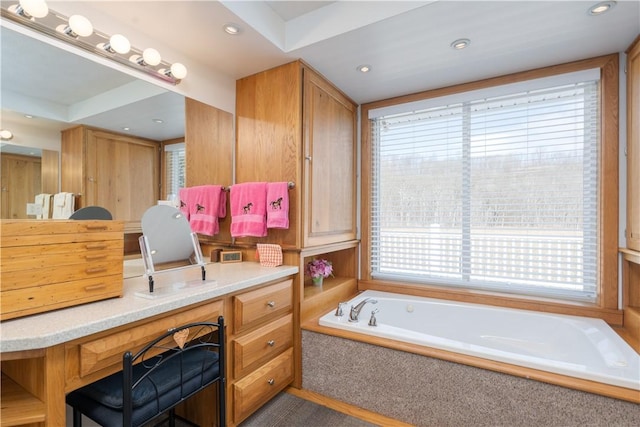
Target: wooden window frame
606	306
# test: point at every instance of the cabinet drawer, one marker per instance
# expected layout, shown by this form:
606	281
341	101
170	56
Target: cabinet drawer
22	272
257	388
40	256
262	305
52	232
37	299
261	345
106	351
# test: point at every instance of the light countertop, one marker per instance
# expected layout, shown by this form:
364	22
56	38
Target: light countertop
173	290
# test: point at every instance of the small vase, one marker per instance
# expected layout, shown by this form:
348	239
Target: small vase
317	281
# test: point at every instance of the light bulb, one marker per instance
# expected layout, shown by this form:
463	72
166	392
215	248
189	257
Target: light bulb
151	56
35	8
120	43
80	25
178	71
6	134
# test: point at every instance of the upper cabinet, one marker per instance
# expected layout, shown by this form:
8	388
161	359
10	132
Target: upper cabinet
117	172
293	125
633	146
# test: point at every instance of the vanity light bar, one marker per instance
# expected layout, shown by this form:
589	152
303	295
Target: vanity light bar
59	27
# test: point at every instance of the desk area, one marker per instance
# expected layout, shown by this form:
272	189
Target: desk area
47	355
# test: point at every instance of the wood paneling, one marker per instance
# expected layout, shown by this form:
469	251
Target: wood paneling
209	138
118	172
633	146
20	182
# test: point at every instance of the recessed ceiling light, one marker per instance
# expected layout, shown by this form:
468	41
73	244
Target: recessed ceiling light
158	121
6	134
232	29
126	128
28	116
460	44
600	8
364	68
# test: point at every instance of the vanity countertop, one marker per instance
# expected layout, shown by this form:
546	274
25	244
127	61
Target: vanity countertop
173	290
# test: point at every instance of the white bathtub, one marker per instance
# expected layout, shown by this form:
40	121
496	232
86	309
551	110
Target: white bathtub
579	347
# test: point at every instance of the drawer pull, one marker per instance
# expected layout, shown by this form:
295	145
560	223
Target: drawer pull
94	257
271	381
95	287
96	270
97	227
271	304
271	343
96	246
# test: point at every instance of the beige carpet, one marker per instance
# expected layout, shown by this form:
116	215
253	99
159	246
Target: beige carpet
287	410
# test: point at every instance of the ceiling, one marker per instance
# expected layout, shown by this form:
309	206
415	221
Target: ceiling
406	43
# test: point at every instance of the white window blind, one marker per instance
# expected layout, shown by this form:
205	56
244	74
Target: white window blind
174	166
496	193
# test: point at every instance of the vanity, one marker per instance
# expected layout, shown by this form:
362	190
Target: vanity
46	355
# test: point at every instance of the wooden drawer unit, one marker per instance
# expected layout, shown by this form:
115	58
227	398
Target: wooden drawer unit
254	308
261	385
51	264
100	355
255	348
261	348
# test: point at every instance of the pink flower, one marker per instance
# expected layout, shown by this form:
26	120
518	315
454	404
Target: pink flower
319	268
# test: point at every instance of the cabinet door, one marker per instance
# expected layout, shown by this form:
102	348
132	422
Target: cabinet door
330	163
20	184
122	174
633	147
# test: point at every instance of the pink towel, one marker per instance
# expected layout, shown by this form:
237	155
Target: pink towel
278	205
183	194
206	204
248	209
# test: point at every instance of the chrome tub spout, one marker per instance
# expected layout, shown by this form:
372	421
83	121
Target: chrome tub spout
354	313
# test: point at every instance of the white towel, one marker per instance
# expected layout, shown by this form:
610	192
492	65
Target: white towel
44	201
63	205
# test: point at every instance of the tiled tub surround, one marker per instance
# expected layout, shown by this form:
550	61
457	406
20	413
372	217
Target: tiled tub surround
426	391
174	289
579	347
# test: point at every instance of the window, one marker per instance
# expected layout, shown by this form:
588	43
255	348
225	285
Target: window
494	189
174	169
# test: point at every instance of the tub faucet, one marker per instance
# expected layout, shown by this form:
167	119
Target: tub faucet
355	311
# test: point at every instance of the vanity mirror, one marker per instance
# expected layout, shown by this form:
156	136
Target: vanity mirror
63	89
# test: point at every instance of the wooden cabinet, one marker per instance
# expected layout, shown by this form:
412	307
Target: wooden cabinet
293	125
633	146
261	348
53	264
631	254
20	182
117	172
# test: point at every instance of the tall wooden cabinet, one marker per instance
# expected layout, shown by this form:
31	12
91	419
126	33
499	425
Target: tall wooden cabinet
19	183
294	125
631	254
117	172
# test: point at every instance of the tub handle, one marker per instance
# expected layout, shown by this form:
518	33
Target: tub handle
373	321
340	309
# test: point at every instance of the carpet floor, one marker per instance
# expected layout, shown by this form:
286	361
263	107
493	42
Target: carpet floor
287	410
